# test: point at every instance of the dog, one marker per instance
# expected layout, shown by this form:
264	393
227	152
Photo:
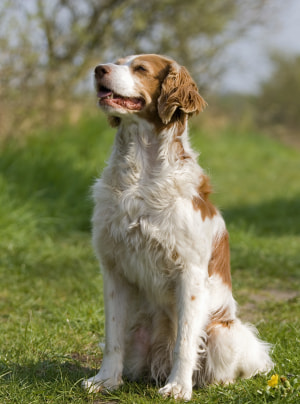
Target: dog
162	245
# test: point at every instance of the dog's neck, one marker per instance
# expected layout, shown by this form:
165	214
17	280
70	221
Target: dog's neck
140	153
140	140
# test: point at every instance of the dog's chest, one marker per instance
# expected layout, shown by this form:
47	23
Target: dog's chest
143	223
137	234
135	227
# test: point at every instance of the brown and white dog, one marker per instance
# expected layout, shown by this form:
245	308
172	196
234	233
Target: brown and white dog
162	245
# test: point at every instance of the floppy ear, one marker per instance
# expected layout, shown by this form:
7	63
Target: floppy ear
179	92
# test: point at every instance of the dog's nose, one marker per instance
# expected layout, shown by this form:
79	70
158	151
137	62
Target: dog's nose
101	70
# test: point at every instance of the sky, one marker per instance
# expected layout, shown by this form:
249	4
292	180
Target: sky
248	59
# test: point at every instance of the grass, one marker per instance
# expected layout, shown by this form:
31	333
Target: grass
51	307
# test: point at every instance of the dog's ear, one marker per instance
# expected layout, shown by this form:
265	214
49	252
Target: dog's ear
179	93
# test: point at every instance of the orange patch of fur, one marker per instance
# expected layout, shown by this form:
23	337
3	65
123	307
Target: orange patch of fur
219	319
219	263
202	202
179	150
151	82
179	92
175	255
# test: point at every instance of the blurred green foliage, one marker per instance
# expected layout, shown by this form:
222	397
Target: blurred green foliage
49	49
279	100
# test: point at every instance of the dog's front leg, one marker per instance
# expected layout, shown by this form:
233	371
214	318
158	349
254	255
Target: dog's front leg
192	316
116	294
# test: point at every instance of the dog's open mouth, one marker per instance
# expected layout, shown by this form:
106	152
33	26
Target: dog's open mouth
108	97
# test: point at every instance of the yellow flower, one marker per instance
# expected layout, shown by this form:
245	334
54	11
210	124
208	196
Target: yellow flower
273	381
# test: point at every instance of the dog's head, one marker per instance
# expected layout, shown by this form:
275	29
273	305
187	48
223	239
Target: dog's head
151	87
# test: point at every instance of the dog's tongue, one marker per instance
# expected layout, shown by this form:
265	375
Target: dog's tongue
104	93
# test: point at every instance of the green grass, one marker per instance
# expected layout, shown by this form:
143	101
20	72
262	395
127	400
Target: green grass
51	306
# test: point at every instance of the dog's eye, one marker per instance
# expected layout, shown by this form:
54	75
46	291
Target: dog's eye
140	68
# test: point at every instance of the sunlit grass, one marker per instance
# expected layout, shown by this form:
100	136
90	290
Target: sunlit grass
51	305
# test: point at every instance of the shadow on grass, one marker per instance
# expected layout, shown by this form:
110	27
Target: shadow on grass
56	378
47	370
48	377
275	217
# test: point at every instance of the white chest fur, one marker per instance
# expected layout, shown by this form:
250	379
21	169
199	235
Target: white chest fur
143	222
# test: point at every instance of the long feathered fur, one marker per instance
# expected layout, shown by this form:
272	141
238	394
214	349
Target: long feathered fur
162	246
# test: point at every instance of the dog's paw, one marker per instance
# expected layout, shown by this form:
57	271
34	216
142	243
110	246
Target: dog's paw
177	391
96	384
